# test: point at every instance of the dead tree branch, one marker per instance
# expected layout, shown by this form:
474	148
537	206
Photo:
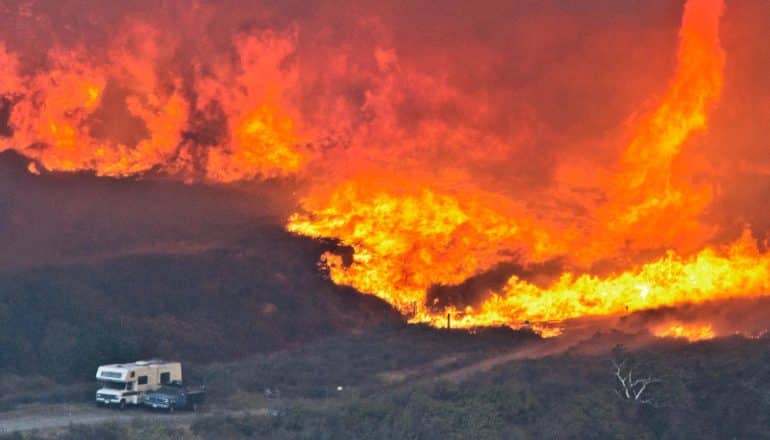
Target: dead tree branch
630	388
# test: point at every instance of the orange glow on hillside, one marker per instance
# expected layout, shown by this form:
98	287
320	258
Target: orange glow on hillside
691	332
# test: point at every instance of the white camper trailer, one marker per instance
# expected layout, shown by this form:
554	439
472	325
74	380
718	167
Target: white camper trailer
124	384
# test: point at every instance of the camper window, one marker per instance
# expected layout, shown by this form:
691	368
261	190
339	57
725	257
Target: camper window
165	377
114	385
142	380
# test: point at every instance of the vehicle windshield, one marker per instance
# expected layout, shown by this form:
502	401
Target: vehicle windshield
114	385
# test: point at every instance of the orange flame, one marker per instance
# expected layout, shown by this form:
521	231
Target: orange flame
740	270
691	332
405	243
649	193
123	117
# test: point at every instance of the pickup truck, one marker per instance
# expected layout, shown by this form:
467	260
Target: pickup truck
174	396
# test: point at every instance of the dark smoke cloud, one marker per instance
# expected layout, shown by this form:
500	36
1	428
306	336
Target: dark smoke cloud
746	316
5	113
476	289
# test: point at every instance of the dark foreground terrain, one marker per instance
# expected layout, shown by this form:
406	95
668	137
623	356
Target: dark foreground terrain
63	321
401	382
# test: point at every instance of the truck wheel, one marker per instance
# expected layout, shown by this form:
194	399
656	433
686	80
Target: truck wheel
122	405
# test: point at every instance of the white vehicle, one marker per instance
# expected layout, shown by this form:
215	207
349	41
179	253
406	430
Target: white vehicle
124	384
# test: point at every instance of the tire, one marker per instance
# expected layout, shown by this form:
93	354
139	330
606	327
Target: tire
122	405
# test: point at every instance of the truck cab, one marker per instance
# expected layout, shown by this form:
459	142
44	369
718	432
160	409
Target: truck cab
121	385
175	396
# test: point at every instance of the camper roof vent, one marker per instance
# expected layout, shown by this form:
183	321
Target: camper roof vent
142	363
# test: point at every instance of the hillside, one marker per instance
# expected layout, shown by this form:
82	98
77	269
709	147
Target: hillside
109	270
399	382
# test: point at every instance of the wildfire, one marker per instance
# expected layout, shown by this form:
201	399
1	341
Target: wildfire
122	117
740	270
405	243
409	193
408	242
649	192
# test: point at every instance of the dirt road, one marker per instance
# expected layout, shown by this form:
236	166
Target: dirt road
531	351
47	417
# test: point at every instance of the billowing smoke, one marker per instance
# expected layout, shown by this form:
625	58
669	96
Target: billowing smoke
474	290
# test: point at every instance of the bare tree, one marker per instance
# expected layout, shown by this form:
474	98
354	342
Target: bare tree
633	388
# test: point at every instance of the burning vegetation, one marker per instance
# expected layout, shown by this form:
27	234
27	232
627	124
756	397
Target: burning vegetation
462	184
